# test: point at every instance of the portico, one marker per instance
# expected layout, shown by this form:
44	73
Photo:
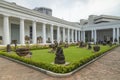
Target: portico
24	26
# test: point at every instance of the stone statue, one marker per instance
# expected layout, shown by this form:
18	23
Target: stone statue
53	48
89	46
15	44
56	43
81	44
59	59
23	52
66	45
8	48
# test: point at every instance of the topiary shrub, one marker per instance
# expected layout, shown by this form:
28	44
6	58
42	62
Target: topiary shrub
96	48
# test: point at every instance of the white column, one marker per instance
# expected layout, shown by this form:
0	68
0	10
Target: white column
51	29
34	37
76	35
83	36
80	35
95	40
6	32
63	34
68	35
113	34
92	34
58	34
72	36
22	32
118	35
44	33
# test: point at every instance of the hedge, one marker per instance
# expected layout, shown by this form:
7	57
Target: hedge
33	47
58	68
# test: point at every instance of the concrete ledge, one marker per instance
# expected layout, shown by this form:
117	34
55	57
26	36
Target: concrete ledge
53	74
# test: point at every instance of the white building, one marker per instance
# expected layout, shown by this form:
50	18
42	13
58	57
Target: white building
16	22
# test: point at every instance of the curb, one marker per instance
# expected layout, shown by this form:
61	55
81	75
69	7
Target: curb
53	74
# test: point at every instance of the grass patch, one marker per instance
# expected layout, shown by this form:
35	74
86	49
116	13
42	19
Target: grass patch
72	54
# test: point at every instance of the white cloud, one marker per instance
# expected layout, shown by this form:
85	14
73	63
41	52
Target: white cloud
74	10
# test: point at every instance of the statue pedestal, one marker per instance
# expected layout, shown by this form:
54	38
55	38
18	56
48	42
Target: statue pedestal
66	63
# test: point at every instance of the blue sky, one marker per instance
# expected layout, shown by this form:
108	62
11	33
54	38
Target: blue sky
74	10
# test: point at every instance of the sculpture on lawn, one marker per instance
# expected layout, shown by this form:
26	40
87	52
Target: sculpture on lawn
59	59
8	48
54	47
23	52
89	46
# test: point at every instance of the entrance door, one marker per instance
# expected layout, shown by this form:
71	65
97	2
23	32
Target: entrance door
15	33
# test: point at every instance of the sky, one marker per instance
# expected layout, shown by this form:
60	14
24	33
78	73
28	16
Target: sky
74	10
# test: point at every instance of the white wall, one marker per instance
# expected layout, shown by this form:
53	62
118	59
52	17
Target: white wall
39	30
102	33
48	33
27	28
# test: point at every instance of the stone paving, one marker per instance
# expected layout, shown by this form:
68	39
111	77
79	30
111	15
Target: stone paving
106	68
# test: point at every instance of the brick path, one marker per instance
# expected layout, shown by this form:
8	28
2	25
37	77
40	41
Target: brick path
106	68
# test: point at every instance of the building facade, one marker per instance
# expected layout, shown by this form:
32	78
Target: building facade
44	10
17	22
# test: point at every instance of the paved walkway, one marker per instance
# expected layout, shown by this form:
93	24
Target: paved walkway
106	68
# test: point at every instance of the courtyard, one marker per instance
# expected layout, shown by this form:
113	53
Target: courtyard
106	68
74	57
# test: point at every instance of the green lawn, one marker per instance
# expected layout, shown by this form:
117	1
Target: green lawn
72	54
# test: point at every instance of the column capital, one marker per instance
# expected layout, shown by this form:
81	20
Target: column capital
94	29
34	21
68	28
117	27
58	26
52	24
21	18
64	27
44	22
6	15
